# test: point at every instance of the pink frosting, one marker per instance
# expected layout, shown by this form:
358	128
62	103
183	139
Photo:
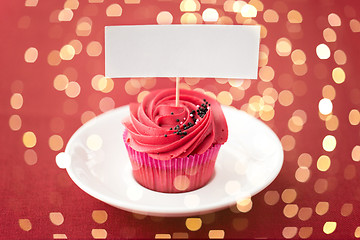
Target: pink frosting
152	125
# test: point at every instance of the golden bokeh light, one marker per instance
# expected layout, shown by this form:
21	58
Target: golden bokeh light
83	27
99	216
266	73
349	172
25	224
16	101
15	122
325	106
267	113
189	18
94	49
56	142
87	116
290	210
216	234
162	236
164	18
355	153
332	122
114	10
300	70
61	82
305	213
244	206
59	236
288	142
323	163
329	92
355	25
286	98
271	197
189	6
210	15
305	232
354	117
289	195
302	174
289	232
99	233
29	139
65	15
322	208
323	51
338	75
193	224
31	54
298	57
31	3
329	227
295	124
30	157
334	20
294	16
329	143
73	90
329	35
340	57
357	232
132	86
71	4
248	11
305	160
321	185
106	104
271	16
56	218
225	98
54	58
77	45
283	47
67	52
347	209
141	96
181	182
237	6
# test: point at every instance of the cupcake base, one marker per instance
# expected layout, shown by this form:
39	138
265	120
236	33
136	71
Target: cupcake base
175	175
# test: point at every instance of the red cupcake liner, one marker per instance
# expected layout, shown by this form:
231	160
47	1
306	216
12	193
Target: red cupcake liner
175	175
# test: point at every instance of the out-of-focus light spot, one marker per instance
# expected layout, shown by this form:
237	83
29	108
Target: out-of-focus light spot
346	209
56	142
181	182
329	35
164	18
289	195
216	234
321	185
290	210
244	205
76	44
329	92
94	142
334	20
267	113
83	27
25	224
288	142
192	81
210	15
99	216
94	49
305	213
329	143
323	163
87	116
16	101
148	83
56	218
271	16
289	232
357	232
305	232
322	208
114	10
355	153
72	90
295	124
338	75
189	6
266	73
31	3
256	103
225	20
294	17
283	47
29	139
225	98
271	197
67	52
286	98
54	58
305	160
99	233
350	172
240	224
59	236
193	224
298	57
30	157
248	10
132	1
162	236
15	122
325	106
354	25
189	18
71	4
106	104
132	86
31	54
329	227
142	95
300	70
65	15
302	174
340	57
331	122
237	6
61	82
323	51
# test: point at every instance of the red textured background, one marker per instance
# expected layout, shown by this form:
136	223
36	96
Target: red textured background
34	191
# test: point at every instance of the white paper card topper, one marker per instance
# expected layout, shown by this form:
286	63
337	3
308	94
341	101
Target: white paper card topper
219	51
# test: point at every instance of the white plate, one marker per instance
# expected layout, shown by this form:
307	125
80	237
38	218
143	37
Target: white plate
98	163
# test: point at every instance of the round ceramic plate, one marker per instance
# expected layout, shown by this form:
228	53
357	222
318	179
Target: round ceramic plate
98	163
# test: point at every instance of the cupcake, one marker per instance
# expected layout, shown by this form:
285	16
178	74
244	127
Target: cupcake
174	148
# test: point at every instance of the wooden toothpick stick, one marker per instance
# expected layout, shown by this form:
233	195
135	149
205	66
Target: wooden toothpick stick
177	92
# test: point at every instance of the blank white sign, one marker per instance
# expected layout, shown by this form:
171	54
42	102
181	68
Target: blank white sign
216	51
